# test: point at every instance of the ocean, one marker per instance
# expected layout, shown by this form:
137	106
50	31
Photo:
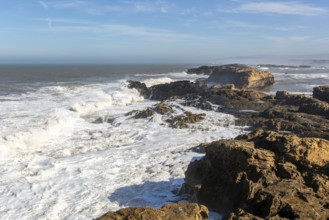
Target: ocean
69	151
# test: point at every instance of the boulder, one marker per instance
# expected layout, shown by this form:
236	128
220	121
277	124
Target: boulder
263	175
206	70
321	93
241	76
140	87
182	211
175	89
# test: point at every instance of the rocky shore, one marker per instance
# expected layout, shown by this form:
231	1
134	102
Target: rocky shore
279	170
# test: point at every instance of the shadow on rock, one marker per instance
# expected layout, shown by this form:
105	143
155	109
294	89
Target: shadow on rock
151	194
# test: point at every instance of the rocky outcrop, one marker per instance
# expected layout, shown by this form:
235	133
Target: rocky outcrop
241	76
182	121
175	89
263	175
321	93
159	108
306	104
168	90
181	211
140	87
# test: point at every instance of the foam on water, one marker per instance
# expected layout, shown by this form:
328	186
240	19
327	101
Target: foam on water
56	163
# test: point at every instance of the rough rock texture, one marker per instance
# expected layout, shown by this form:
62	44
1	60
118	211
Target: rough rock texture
182	121
263	175
159	108
241	76
306	104
180	211
321	93
165	91
140	87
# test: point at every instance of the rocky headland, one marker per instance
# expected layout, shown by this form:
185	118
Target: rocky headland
280	170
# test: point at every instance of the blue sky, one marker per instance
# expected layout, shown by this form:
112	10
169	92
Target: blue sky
161	31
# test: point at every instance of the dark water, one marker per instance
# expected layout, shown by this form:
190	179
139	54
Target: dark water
24	78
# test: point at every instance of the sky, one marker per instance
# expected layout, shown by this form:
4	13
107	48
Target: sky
161	31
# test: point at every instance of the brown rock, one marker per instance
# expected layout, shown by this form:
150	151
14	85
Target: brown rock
321	93
241	76
182	121
181	211
263	175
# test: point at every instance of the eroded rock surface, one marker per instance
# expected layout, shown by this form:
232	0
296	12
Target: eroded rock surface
264	174
241	76
321	93
179	211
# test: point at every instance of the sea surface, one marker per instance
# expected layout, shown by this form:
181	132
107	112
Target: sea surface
69	151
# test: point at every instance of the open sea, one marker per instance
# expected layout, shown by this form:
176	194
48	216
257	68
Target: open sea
68	151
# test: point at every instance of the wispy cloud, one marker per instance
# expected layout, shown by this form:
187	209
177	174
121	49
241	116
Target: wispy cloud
43	4
244	25
101	9
289	39
284	8
76	26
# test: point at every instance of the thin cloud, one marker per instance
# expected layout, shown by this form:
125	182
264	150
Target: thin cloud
289	39
68	25
244	25
283	8
44	5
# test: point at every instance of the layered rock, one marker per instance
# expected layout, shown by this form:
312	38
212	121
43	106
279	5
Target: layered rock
265	175
241	76
181	211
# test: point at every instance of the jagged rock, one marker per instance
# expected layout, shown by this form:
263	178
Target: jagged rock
181	211
241	76
165	91
263	175
140	87
207	70
306	104
148	112
237	99
163	109
182	121
321	93
159	108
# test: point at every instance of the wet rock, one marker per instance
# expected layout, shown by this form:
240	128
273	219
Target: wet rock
182	121
321	93
163	109
148	112
263	175
165	91
140	87
183	211
241	76
159	108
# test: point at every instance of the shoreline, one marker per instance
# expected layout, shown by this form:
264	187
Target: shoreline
300	115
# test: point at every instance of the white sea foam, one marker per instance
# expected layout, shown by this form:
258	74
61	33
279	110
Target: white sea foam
55	163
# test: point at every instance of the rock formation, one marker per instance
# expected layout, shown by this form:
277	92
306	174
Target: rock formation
264	174
241	76
180	211
321	93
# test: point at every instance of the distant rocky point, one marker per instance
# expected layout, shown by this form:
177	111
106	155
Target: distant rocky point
241	76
